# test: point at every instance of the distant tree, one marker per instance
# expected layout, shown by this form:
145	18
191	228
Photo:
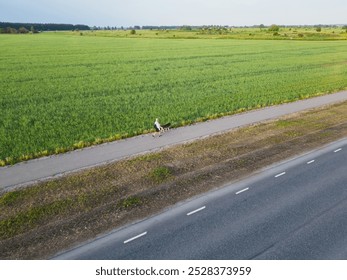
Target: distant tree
274	28
133	32
186	28
23	30
10	30
261	26
318	29
345	28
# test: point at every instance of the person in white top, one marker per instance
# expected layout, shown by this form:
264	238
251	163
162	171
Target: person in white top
158	127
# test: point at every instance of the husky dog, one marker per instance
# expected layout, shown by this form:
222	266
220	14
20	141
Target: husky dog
166	126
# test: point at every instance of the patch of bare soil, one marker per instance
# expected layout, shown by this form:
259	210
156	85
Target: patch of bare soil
44	219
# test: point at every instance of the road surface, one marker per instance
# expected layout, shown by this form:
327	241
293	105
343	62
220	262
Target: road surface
47	167
293	210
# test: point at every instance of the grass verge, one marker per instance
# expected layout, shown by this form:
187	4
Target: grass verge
43	219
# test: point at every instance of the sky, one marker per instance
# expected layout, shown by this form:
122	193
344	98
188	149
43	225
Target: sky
175	12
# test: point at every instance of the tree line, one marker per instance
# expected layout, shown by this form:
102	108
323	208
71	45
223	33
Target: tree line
8	27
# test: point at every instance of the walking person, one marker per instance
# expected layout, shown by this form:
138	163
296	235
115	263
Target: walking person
158	128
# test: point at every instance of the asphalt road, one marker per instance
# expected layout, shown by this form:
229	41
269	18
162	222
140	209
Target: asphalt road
34	170
292	210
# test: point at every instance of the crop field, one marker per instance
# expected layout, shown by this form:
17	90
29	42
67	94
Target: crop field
283	33
60	92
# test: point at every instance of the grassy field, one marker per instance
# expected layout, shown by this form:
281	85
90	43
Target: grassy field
284	33
60	92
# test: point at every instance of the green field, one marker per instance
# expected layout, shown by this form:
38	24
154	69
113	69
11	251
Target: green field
308	33
59	92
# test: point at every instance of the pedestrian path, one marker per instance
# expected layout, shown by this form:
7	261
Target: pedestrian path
43	168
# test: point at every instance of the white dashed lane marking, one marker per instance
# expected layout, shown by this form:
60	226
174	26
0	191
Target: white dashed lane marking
135	237
204	207
195	211
281	174
241	191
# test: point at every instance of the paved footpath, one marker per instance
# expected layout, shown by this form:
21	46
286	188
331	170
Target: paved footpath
43	168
